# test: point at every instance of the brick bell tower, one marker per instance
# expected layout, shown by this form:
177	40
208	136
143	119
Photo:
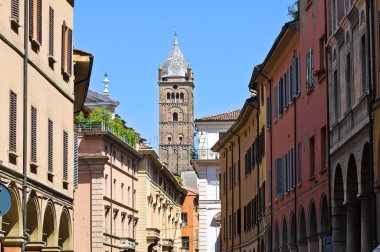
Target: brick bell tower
176	111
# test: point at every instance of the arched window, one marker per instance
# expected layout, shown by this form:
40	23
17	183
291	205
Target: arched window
168	96
182	96
177	96
173	96
175	117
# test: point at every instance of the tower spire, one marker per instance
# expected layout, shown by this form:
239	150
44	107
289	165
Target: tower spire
106	81
175	39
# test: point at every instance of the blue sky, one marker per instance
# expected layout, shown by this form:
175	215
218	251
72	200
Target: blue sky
222	40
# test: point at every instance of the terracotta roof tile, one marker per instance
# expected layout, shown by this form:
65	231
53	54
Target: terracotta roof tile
226	116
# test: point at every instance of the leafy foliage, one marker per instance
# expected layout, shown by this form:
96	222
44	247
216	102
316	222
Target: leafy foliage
102	115
294	10
179	180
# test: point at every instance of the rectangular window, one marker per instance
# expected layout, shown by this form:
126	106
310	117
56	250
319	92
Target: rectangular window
298	75
262	93
245	218
323	148
322	54
363	53
336	96
310	70
289	92
50	146
340	10
185	242
33	135
286	90
67	49
35	21
51	31
225	182
230	225
348	81
312	156
225	228
184	219
65	155
281	96
75	173
275	102
15	10
279	177
12	121
238	221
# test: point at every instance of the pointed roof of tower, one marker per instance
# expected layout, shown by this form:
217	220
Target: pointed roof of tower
175	65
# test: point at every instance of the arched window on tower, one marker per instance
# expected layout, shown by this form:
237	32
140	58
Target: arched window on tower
177	96
175	117
173	96
168	96
182	96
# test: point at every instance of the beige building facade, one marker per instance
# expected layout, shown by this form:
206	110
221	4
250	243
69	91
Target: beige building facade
159	200
36	157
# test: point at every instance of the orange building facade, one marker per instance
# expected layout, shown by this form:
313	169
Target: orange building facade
190	221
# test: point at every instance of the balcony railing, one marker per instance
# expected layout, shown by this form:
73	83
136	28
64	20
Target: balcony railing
204	154
96	127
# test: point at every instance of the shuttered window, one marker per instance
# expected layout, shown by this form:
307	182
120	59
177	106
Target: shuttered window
51	31
67	49
50	146
15	10
276	101
75	173
340	10
39	21
310	69
279	177
12	121
35	20
65	155
33	135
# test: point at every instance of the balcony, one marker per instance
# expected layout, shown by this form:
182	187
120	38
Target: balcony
167	244
94	127
204	154
127	243
123	243
153	235
352	122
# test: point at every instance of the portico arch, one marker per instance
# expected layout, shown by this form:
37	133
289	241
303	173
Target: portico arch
65	231
49	225
11	221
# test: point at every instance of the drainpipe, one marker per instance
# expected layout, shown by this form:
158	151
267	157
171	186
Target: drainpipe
372	79
225	186
111	196
295	168
25	125
239	173
328	121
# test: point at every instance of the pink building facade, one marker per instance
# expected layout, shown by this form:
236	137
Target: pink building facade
106	214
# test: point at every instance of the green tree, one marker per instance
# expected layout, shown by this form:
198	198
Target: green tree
102	115
294	10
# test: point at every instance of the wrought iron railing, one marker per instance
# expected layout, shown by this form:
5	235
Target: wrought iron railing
204	154
96	127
